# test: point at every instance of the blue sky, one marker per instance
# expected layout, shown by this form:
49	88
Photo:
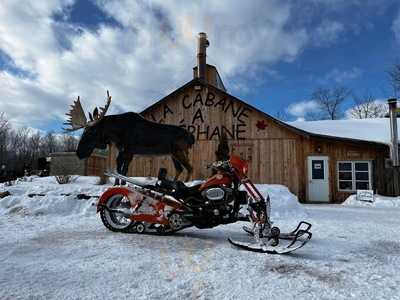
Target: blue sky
272	54
357	60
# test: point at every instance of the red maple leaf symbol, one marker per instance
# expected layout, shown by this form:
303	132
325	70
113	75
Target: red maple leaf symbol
261	125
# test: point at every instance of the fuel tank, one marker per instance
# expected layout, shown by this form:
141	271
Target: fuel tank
217	180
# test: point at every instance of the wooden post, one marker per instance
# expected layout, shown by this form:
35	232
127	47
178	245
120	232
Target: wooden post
394	153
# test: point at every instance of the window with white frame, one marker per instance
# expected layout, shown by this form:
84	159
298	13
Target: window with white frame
354	175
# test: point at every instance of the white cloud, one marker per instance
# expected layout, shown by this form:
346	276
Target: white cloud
303	108
327	33
342	76
139	61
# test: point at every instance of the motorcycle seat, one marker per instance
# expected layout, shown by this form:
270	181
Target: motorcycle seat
177	188
186	191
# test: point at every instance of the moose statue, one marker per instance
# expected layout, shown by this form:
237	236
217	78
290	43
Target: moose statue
132	135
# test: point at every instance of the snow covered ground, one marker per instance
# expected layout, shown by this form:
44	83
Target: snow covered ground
354	254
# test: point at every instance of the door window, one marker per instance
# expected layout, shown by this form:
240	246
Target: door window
317	169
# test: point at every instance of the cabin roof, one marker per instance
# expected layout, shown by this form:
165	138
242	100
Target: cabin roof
326	129
371	130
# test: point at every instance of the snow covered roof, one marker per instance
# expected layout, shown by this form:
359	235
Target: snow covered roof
371	130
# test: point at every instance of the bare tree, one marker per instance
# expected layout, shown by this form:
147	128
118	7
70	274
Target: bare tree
4	130
367	106
282	115
50	143
34	142
314	115
20	149
4	124
330	101
69	143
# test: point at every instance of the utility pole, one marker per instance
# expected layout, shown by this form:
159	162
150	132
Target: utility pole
394	149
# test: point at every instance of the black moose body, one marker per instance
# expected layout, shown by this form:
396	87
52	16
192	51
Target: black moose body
132	135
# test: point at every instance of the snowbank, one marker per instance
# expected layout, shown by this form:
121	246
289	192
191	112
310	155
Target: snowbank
380	201
62	199
284	204
373	130
58	199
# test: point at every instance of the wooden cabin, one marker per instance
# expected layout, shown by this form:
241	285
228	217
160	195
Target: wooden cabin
316	168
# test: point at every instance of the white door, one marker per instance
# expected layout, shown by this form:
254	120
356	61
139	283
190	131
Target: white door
318	179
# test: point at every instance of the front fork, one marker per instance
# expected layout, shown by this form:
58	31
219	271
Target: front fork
260	211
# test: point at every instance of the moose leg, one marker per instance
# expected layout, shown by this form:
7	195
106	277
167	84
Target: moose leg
120	163
182	157
125	167
178	168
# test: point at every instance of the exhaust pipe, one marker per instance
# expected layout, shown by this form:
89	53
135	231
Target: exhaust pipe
124	178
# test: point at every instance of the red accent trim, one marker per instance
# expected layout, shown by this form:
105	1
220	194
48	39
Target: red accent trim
217	180
256	190
252	190
110	192
135	198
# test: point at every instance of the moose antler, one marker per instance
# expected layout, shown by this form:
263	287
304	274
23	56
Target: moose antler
77	118
103	110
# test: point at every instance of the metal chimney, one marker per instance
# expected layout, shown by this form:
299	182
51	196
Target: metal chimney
393	132
203	43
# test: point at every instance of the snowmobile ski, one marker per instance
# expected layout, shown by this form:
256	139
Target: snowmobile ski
294	245
304	226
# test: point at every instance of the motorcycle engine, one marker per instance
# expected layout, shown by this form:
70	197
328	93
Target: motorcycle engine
216	207
214	194
218	200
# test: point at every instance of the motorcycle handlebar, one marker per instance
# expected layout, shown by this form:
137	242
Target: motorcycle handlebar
219	165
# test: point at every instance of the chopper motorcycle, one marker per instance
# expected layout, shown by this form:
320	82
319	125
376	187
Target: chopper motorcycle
170	206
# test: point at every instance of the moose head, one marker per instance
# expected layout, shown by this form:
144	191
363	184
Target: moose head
91	137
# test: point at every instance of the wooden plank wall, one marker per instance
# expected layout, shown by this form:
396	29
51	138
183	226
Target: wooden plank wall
270	148
343	151
276	154
95	165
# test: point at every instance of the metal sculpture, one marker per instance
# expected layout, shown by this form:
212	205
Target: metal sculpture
132	135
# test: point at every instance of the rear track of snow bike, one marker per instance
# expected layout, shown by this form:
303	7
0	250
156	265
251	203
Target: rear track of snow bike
135	227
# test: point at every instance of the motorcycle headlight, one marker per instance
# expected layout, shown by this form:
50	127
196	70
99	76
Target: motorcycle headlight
244	170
